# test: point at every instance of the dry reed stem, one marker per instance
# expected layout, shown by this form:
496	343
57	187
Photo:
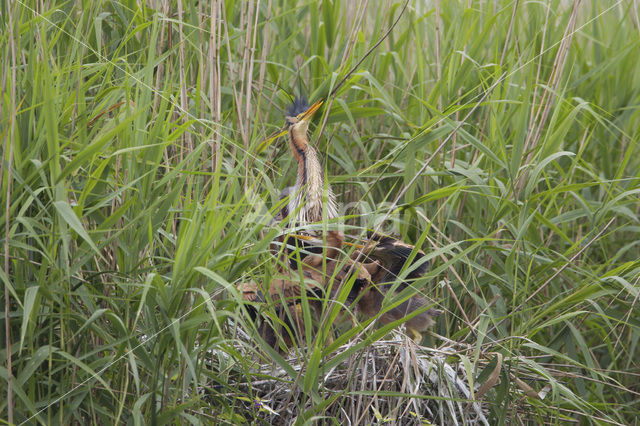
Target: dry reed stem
10	140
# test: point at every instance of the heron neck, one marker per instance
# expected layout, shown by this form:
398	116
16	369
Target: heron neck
310	174
310	185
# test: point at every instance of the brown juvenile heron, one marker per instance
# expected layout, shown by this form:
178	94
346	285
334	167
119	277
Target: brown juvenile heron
319	274
384	259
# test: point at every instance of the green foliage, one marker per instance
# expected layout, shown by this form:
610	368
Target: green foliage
136	190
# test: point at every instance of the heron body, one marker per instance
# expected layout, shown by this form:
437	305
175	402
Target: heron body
391	257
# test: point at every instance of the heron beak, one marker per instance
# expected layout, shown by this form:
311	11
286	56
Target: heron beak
312	110
319	241
360	246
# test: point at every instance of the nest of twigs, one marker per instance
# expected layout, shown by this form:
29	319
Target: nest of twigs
389	382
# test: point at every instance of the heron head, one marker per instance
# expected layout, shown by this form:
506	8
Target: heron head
299	115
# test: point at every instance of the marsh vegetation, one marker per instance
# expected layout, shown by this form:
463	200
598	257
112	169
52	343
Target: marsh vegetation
139	165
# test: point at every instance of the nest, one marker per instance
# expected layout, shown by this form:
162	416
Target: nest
388	382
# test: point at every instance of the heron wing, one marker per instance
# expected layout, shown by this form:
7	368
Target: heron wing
392	256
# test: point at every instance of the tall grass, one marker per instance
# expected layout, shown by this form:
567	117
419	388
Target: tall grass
138	173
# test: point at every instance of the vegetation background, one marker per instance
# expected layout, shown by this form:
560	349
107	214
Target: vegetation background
137	168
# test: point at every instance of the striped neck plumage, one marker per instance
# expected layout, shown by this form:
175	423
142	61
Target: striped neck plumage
309	197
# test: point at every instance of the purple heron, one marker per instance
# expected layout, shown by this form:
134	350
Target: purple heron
377	263
308	199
